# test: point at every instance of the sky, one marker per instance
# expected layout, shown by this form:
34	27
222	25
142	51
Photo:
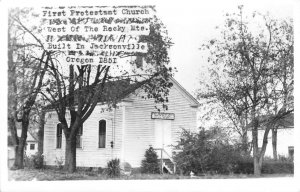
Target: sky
191	24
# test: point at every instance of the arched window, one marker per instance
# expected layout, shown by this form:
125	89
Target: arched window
58	136
102	133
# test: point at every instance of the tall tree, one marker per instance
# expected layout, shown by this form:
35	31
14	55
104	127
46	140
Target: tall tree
226	108
283	96
246	64
27	64
78	89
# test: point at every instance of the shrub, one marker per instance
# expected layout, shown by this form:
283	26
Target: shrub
59	162
223	158
113	168
34	161
150	162
207	152
284	159
38	160
244	165
204	152
271	167
136	170
100	170
194	152
28	162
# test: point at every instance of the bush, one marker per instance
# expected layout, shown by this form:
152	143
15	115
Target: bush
244	166
113	168
136	170
28	162
100	170
34	161
271	167
150	162
223	158
38	160
59	162
208	152
204	152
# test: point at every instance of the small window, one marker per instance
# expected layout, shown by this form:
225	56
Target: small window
102	133
78	137
32	146
58	136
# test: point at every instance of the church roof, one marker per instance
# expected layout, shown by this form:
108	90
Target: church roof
118	90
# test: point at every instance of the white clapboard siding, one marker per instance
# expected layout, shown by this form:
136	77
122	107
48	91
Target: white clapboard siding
139	133
89	155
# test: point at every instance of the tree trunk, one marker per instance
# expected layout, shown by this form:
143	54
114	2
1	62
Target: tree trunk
256	152
19	154
19	158
274	143
41	133
257	166
245	143
12	106
13	130
70	155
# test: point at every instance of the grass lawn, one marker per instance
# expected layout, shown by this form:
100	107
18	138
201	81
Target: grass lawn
51	175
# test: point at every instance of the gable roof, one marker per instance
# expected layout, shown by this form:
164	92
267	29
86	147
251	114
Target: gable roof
112	91
194	101
120	89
